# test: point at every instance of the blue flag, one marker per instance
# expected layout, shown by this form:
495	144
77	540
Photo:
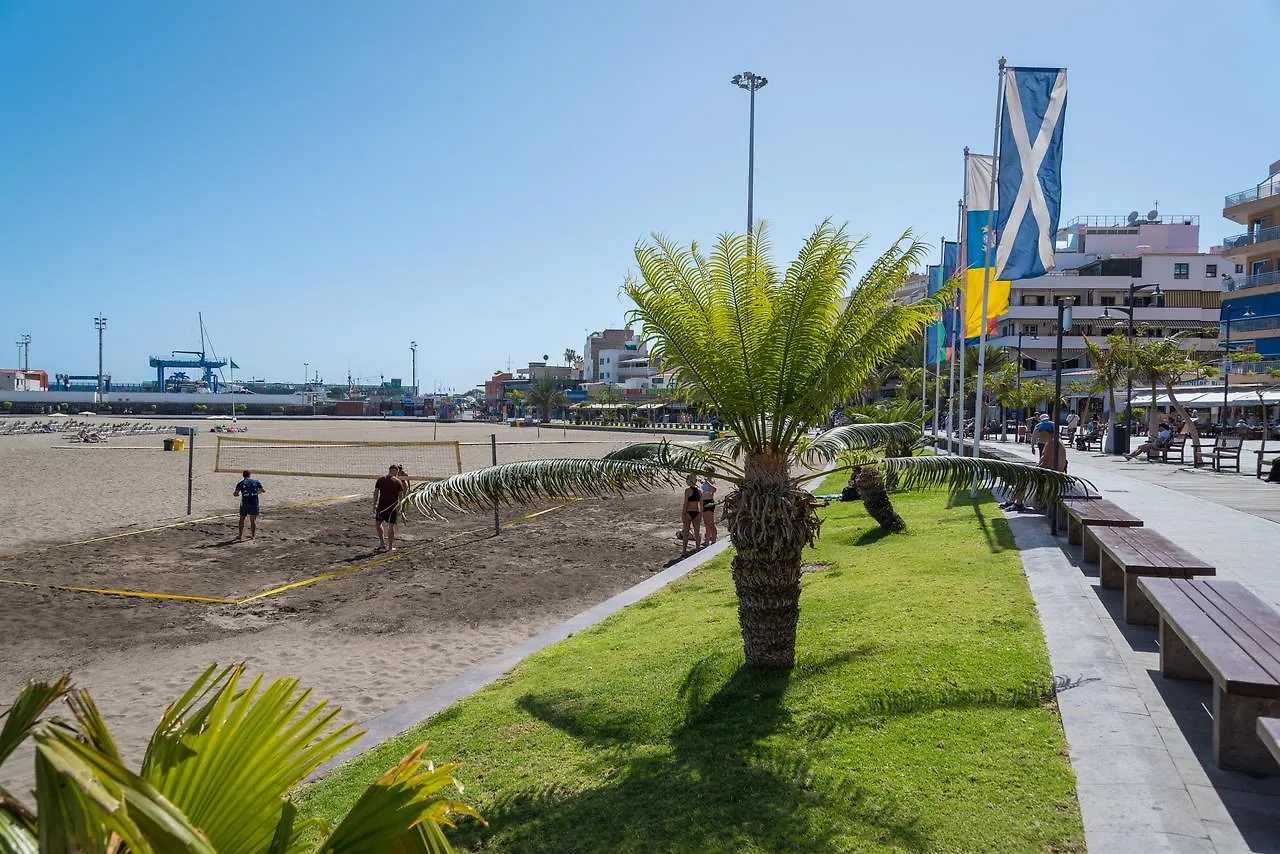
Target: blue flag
1030	170
935	344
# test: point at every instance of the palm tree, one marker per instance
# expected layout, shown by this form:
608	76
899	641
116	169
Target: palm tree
1111	365
546	396
216	777
1161	362
770	349
570	356
1005	388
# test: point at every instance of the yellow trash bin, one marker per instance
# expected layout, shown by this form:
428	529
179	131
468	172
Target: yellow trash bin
179	444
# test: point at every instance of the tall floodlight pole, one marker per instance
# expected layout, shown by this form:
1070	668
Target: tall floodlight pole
306	374
413	349
750	81
25	343
100	323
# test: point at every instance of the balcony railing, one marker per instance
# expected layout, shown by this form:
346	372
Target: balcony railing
1262	191
1259	324
1242	283
1261	235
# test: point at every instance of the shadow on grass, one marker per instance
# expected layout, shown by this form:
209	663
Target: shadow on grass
716	780
873	536
997	533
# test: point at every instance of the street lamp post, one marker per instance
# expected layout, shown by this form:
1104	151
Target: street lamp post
1064	325
100	323
1128	385
306	374
1017	382
750	81
1226	359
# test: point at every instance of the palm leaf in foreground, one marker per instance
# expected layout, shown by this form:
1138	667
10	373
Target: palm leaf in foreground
960	473
532	480
855	437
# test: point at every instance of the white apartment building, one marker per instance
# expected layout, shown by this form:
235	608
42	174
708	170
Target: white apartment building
1099	258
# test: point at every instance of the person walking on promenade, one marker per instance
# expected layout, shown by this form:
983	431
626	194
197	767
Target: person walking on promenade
248	489
387	491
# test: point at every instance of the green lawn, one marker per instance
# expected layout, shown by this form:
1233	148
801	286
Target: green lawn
919	716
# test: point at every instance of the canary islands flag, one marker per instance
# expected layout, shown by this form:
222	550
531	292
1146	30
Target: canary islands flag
979	234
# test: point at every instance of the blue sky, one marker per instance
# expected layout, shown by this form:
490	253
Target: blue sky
328	180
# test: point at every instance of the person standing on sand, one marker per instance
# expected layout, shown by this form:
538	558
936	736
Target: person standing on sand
709	531
387	491
248	489
690	516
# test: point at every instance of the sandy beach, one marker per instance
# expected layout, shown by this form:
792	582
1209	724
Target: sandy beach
379	633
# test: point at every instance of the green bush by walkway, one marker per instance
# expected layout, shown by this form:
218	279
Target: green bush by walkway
919	715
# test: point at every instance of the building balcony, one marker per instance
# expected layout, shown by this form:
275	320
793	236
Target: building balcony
1094	313
1240	206
1243	242
1244	283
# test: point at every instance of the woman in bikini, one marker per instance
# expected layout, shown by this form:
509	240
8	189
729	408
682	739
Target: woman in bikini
709	531
690	516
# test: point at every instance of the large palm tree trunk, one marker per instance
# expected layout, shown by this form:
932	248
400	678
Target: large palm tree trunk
1197	456
769	522
875	498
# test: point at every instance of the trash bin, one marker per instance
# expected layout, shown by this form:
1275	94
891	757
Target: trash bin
179	444
1120	439
168	444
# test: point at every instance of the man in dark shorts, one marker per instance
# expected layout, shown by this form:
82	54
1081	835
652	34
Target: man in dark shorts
248	490
387	492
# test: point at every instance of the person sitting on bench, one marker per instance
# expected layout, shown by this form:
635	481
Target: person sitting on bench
1159	443
1089	435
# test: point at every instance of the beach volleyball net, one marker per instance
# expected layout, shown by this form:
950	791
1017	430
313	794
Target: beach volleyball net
322	458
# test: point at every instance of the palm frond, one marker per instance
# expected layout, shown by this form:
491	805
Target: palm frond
19	719
961	472
689	459
855	437
533	480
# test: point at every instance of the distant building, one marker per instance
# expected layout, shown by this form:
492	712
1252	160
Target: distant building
1098	259
16	379
601	351
495	388
1254	284
913	289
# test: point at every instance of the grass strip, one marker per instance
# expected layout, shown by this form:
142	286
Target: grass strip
919	716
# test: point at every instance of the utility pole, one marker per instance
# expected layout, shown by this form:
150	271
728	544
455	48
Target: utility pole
100	323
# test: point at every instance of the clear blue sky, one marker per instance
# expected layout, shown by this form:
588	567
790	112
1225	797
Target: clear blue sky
328	180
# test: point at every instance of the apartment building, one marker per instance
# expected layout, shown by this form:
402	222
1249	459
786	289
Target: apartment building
600	352
1252	293
1103	262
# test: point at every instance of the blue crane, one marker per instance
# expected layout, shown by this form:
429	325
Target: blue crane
208	366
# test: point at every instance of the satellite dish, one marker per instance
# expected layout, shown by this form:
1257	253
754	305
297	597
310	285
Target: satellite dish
1153	215
1133	217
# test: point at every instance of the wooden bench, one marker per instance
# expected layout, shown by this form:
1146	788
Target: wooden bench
1126	554
1177	445
1075	514
1220	631
1269	732
1265	460
1227	451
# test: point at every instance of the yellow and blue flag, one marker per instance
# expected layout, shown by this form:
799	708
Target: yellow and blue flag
978	236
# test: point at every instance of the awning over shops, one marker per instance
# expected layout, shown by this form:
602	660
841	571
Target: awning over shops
1260	397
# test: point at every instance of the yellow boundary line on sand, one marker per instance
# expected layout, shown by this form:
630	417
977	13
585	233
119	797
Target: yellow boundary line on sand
212	600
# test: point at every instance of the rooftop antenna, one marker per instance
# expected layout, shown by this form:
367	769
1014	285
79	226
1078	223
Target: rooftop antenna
1132	218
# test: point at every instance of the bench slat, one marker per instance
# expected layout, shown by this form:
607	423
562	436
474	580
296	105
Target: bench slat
1253	625
1100	510
1229	664
1142	548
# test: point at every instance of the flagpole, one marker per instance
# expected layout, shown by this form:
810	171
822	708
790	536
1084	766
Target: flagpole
957	328
988	241
937	363
924	360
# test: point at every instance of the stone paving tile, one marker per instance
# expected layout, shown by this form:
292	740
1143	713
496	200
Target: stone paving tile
1140	809
1124	842
1119	765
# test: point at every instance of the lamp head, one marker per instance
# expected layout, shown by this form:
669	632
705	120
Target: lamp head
1248	312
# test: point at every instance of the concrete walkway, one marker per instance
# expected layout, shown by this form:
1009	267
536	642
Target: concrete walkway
1142	745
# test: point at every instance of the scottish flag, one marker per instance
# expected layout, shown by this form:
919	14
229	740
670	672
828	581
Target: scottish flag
1030	182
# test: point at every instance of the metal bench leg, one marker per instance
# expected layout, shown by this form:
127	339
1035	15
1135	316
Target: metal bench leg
1236	745
1176	659
1138	610
1110	573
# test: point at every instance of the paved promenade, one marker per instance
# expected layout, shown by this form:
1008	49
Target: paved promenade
1142	745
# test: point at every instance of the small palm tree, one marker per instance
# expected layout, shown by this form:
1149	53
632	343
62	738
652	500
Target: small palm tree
216	777
570	356
1161	362
1111	365
546	396
769	349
